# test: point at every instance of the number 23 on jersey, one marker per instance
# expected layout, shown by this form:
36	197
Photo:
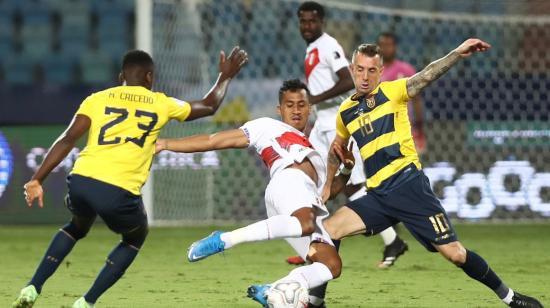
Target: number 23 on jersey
122	115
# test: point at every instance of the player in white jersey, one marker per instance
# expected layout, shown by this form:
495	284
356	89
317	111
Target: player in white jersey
329	81
292	198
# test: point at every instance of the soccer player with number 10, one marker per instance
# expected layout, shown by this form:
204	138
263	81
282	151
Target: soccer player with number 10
376	117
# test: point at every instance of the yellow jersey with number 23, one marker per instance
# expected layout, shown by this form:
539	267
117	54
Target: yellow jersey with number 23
125	123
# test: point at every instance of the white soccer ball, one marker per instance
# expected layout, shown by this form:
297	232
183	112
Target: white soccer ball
287	294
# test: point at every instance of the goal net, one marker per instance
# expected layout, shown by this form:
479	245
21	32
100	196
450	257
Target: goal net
486	121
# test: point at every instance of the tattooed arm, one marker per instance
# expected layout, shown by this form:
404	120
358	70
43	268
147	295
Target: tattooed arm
333	163
434	70
344	156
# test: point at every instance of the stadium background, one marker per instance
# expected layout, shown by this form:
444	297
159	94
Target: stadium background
487	120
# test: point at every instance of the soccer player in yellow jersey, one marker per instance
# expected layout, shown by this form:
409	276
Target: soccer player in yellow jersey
122	124
376	117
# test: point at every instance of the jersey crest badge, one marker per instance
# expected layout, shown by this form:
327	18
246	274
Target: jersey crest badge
371	102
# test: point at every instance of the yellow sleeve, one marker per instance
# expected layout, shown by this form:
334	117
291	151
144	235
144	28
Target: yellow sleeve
178	109
400	88
86	107
341	129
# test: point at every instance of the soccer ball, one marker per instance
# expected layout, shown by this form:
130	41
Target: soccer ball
287	294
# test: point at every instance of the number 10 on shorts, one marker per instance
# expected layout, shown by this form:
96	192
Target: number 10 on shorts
439	222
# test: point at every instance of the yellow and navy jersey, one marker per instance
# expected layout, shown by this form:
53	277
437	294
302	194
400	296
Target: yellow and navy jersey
380	126
125	123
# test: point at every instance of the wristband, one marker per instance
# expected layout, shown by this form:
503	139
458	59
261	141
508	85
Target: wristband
345	171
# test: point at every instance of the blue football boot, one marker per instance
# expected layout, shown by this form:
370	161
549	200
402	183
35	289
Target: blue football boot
206	247
258	292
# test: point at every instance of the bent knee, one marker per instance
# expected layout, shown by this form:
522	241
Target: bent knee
327	255
136	237
334	264
306	216
308	227
456	255
458	258
75	231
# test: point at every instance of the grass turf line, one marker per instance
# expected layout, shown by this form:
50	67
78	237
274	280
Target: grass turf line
162	277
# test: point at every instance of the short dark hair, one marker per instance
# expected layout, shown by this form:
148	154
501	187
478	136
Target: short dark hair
292	85
312	6
388	34
369	50
137	58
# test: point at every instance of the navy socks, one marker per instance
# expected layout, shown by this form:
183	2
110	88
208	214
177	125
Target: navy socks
60	247
479	270
117	262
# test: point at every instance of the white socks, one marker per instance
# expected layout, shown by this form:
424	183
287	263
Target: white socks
275	227
314	300
508	299
310	276
388	236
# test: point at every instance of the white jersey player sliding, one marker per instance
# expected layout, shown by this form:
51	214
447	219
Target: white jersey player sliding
292	198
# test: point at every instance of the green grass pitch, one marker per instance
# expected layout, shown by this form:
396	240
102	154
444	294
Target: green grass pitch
162	277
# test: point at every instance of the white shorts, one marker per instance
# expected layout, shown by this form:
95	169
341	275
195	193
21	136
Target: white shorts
289	190
321	138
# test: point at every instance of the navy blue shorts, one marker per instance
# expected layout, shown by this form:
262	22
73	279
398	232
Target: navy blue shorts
415	205
121	210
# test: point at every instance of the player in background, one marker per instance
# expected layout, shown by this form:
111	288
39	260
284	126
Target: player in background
329	81
122	124
399	191
396	69
292	197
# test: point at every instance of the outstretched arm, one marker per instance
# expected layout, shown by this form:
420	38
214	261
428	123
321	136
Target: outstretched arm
58	151
343	85
229	139
228	69
434	70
